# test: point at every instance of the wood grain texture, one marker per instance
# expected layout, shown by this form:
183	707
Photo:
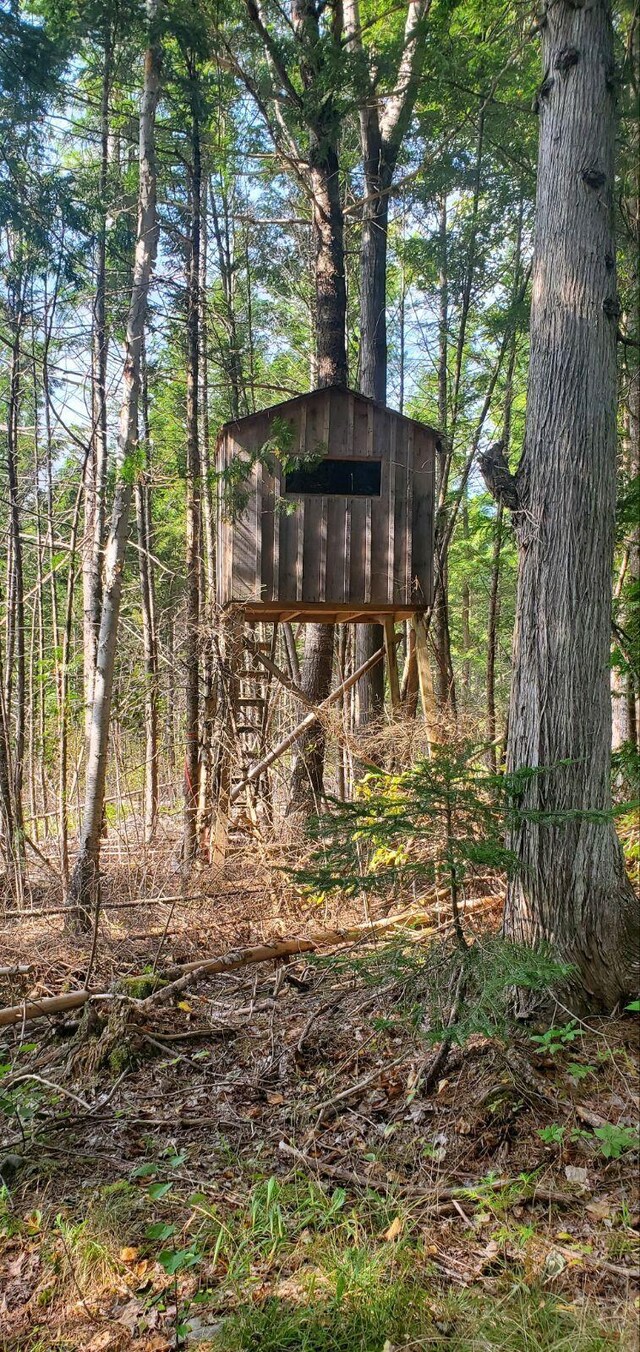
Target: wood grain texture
570	886
330	550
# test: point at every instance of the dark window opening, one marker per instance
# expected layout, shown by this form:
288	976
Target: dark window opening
357	478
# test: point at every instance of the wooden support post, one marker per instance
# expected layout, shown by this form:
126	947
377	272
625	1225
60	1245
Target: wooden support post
409	684
425	679
392	662
229	651
256	770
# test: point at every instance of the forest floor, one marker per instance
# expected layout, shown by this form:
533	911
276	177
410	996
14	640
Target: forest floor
260	1163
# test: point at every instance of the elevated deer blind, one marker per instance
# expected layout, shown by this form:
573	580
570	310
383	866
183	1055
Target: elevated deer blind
325	511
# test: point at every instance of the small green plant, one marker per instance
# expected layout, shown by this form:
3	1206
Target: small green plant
556	1039
553	1134
579	1071
616	1141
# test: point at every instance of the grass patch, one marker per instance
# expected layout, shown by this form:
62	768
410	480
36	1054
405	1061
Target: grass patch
400	1314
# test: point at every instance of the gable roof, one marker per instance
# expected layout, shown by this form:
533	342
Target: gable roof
324	389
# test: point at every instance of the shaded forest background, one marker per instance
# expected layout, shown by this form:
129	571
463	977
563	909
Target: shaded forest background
232	328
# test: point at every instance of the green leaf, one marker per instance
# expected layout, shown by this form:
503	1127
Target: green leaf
158	1190
176	1260
143	1171
160	1230
634	1007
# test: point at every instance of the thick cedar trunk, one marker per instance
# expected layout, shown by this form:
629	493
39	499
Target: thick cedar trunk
84	886
192	640
571	887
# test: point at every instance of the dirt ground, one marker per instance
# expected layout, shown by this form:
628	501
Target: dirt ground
157	1158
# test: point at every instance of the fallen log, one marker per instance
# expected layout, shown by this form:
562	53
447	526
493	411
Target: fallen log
28	1010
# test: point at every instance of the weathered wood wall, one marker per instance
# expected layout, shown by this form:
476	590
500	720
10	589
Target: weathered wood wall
328	556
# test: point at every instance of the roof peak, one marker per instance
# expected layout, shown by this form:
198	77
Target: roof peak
330	389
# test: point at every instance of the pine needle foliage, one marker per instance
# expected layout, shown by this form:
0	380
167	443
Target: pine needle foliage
420	981
439	824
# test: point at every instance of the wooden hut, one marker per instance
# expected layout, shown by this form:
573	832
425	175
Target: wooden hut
325	511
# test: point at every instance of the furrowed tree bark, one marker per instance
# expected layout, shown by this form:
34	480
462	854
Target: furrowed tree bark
209	696
313	112
194	521
571	888
83	892
307	775
382	131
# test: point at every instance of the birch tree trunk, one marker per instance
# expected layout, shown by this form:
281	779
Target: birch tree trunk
571	888
83	891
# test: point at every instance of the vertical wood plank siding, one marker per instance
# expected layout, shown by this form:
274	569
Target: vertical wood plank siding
329	549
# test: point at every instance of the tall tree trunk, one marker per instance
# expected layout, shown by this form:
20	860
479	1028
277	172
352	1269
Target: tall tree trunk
205	796
382	130
84	886
444	689
307	776
369	638
96	470
493	621
63	696
571	888
192	636
16	617
7	832
149	634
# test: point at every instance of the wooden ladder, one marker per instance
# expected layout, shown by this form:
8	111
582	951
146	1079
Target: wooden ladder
243	725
